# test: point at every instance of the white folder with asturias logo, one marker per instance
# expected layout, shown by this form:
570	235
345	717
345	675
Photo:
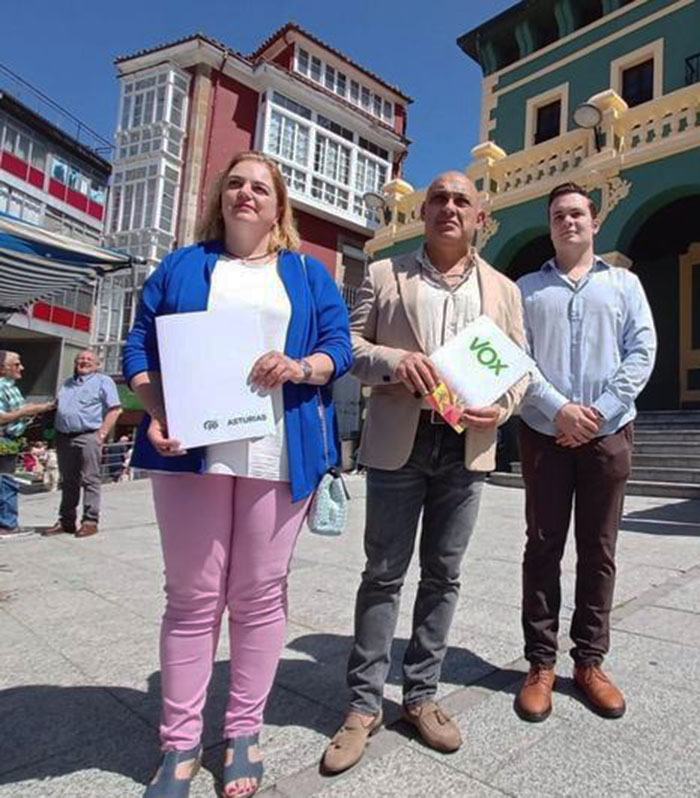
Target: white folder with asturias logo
205	360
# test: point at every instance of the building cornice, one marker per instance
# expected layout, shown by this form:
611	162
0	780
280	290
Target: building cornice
299	34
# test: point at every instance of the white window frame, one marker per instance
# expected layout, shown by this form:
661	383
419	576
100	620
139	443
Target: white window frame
533	104
655	51
308	170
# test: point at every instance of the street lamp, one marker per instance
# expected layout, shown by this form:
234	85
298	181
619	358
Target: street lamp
589	116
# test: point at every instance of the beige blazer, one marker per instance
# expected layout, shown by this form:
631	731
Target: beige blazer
384	327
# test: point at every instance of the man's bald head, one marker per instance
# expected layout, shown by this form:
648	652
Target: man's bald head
452	213
454	181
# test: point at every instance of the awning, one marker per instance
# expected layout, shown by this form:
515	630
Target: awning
36	263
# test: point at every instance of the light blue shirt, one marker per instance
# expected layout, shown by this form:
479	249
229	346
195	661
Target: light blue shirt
594	343
83	402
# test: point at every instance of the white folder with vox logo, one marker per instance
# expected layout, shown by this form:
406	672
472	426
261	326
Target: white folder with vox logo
205	360
481	363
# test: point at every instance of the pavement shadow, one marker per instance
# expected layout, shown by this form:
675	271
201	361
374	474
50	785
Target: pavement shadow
50	731
678	518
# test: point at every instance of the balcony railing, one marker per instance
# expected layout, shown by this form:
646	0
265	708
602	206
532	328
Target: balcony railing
41	104
646	132
692	69
349	294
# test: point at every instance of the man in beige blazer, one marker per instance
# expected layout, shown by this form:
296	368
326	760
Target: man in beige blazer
407	307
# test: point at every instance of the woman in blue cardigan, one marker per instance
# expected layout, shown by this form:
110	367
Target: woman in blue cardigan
229	514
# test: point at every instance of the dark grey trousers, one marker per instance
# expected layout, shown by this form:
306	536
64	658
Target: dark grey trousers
434	481
79	465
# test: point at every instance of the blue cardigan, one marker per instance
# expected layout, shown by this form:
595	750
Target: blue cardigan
318	323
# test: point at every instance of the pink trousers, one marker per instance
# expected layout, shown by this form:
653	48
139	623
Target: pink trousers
227	543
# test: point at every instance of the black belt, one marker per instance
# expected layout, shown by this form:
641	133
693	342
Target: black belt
432	417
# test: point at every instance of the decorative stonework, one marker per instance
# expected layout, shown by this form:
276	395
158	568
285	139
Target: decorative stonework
613	191
489	230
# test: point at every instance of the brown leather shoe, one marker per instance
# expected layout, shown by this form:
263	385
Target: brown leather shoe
434	725
534	700
87	528
348	745
603	697
59	528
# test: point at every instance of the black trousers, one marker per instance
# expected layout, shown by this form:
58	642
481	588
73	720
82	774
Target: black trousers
594	475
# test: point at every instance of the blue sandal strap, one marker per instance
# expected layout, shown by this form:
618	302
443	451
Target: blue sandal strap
167	785
241	767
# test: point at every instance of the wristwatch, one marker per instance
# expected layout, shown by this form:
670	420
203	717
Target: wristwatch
306	369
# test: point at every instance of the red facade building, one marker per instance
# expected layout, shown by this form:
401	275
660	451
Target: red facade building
336	129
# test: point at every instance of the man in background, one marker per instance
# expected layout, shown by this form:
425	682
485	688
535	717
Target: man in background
88	408
15	415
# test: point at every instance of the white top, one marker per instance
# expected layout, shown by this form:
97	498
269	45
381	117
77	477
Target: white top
444	310
261	286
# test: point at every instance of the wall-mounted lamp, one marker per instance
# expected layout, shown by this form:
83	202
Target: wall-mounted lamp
589	116
377	204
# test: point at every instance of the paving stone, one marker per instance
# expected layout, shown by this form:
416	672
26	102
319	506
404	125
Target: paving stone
406	773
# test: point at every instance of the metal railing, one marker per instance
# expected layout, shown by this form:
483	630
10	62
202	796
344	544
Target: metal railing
41	104
114	467
349	294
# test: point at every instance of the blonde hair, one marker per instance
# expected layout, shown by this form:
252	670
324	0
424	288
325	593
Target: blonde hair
282	236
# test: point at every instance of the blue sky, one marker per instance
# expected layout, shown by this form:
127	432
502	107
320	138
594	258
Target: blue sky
66	49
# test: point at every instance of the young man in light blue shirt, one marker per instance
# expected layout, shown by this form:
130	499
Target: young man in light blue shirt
591	333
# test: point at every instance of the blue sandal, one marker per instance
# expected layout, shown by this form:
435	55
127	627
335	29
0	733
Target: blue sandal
245	764
166	783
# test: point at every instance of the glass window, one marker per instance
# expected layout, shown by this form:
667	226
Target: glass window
547	123
128	206
374	149
138	110
160	103
139	195
294	178
355	92
149	106
59	171
291	105
126	112
316	69
366	98
116	208
38	156
177	108
167	206
11	136
330	78
377	105
388	111
302	61
335	127
32	211
369	174
22	147
332	159
340	84
638	83
288	138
